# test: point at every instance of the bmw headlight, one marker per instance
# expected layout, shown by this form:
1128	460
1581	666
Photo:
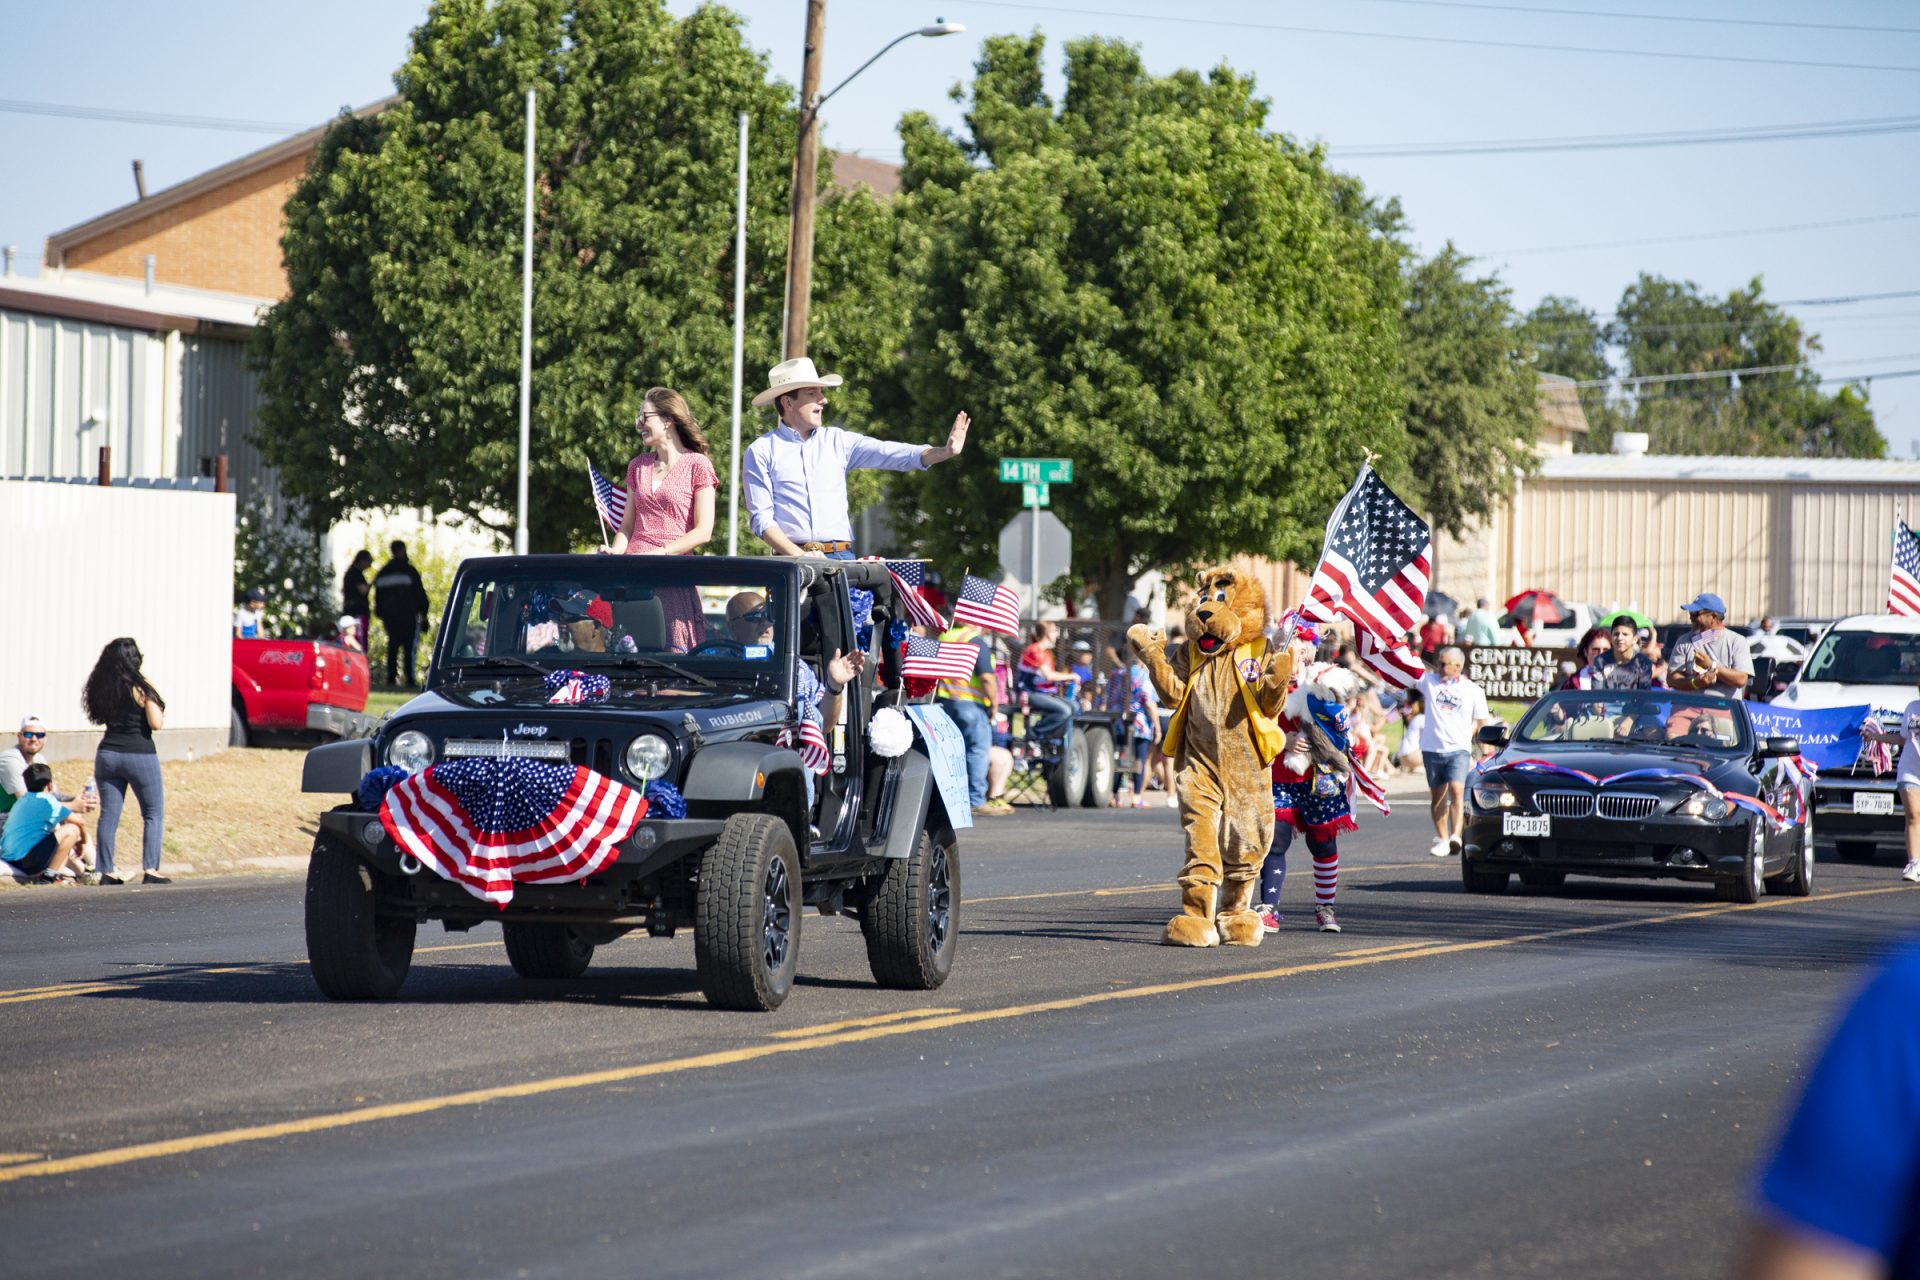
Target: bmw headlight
411	750
648	757
1703	804
1494	795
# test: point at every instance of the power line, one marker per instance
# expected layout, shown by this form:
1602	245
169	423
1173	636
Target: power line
1633	141
1528	46
1601	325
1721	393
1708	235
149	117
1653	17
1655	379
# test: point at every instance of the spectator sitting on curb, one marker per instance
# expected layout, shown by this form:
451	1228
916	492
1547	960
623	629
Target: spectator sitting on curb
43	840
13	768
248	622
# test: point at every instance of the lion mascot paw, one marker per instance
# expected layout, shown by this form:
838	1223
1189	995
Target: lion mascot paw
1226	687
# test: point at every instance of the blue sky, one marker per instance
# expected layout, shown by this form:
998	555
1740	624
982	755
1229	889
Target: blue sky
288	63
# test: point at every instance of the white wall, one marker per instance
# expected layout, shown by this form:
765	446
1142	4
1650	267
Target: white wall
85	565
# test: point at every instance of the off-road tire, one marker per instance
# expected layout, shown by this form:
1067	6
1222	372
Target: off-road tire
912	921
1068	781
1855	850
1100	761
1539	878
1479	881
354	953
736	917
546	950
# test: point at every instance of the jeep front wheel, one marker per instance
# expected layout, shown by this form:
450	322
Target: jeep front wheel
746	939
546	950
355	952
912	921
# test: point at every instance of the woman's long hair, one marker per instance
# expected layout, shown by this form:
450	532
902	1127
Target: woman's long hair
362	561
109	691
673	406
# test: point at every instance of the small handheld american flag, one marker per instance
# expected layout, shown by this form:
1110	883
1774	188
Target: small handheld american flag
908	577
1903	578
986	605
937	659
609	499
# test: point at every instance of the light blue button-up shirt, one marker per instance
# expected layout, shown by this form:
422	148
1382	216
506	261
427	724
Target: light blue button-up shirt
801	484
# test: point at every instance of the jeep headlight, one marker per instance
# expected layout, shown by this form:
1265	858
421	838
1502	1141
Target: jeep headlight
1704	804
411	750
648	757
1494	795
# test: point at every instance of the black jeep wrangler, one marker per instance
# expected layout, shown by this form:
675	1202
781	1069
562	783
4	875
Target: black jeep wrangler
701	657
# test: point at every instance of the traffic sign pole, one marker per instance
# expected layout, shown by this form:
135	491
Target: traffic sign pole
1033	505
1035	476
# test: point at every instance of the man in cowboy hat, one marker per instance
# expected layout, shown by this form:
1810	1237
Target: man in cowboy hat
796	475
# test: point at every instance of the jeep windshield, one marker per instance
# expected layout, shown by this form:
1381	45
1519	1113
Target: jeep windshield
652	625
1864	657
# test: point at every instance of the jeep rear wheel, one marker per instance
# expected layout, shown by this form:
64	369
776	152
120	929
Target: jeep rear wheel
912	922
746	941
546	950
355	953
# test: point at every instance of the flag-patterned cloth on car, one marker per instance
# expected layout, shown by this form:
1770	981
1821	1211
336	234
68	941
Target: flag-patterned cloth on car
937	659
572	687
908	577
609	499
985	604
487	823
1374	567
1903	578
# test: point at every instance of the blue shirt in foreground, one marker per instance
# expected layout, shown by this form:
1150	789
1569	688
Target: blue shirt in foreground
28	823
801	485
1847	1165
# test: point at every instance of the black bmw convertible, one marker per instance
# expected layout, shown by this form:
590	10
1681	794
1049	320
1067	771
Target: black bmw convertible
1645	783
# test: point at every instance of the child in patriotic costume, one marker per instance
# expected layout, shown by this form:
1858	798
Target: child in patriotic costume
1312	781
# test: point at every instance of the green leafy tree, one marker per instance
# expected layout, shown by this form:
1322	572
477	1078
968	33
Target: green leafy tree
283	558
1145	279
1567	339
1473	411
390	375
1671	327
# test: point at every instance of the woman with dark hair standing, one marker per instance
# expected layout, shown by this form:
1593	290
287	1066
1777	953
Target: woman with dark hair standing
670	498
355	599
121	698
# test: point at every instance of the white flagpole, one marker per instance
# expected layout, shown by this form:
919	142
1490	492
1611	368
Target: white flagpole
526	344
739	345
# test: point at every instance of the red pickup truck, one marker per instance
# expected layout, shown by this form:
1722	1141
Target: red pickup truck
298	687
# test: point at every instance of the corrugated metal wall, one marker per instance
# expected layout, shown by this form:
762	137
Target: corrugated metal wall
219	397
157	565
67	388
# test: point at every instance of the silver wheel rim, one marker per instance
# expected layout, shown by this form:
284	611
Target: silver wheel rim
1075	763
1806	852
939	900
776	916
1759	872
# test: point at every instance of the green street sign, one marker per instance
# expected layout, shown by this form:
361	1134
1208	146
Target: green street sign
1036	470
1035	495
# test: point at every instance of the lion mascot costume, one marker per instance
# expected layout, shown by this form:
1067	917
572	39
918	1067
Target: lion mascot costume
1226	687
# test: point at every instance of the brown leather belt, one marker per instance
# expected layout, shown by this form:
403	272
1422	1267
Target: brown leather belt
825	548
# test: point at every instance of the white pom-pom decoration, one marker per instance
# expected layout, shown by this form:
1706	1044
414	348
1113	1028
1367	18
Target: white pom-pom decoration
889	733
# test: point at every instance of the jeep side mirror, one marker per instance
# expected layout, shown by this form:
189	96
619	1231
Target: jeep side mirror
1492	735
1779	746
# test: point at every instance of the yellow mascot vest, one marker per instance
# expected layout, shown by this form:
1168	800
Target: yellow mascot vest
1268	740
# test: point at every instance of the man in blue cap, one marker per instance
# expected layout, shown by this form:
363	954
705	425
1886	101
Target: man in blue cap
1710	658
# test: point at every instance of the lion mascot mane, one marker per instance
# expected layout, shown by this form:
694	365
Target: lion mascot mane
1226	687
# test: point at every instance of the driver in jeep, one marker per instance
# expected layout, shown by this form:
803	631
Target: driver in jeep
749	622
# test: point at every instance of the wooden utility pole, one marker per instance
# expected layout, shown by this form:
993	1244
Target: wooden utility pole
806	171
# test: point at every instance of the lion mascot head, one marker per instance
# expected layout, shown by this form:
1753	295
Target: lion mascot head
1230	609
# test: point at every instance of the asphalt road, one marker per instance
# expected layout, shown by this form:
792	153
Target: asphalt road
1564	1084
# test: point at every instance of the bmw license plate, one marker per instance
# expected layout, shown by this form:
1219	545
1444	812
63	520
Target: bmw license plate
1873	802
1526	824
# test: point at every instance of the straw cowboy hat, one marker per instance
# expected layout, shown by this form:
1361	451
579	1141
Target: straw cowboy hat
791	375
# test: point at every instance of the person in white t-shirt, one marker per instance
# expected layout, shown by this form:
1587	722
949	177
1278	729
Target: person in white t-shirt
1907	776
1456	709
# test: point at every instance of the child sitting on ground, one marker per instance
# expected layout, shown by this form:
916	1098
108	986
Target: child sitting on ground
43	841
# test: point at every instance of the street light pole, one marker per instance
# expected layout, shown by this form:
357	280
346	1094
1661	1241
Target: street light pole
806	169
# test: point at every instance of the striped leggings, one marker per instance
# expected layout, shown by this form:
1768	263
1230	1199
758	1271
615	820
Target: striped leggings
1326	867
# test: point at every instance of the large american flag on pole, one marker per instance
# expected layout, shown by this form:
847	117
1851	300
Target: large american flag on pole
937	659
609	499
987	605
1395	664
486	823
1903	578
1374	569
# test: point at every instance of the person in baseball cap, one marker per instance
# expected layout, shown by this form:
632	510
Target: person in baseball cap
795	476
1711	658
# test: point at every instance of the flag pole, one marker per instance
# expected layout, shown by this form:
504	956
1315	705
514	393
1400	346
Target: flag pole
526	344
739	344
